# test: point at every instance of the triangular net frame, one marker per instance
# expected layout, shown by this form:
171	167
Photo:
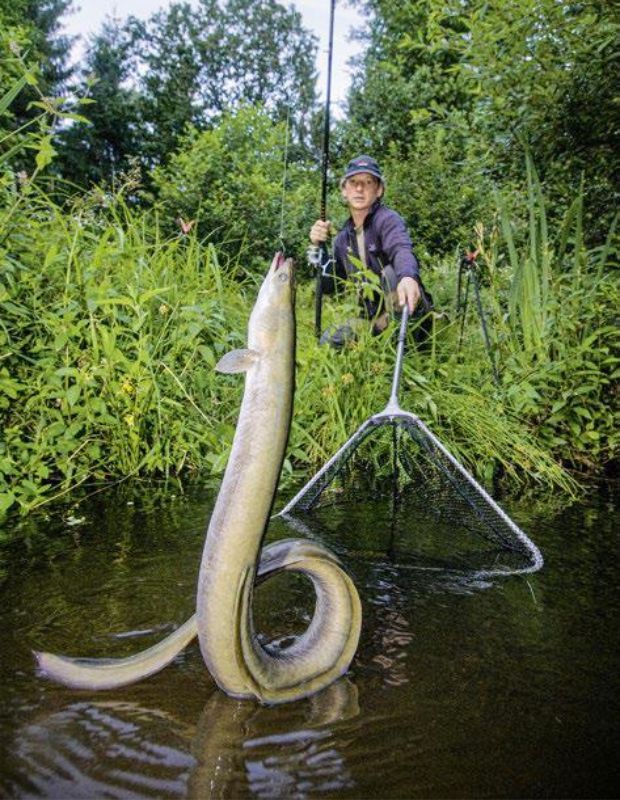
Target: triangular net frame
448	500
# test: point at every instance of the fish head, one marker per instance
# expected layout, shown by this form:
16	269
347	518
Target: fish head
273	313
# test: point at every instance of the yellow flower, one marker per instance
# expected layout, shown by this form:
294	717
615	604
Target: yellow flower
347	378
127	387
329	390
129	419
164	309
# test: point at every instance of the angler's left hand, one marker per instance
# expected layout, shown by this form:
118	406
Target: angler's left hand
408	291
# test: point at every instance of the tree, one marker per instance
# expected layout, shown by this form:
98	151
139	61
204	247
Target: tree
186	67
409	76
413	105
34	26
198	63
549	76
498	75
99	150
229	179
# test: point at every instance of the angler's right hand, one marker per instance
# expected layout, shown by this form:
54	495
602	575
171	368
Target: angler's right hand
320	231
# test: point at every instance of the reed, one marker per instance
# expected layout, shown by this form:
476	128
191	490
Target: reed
558	342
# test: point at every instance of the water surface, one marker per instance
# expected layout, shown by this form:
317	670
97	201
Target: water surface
461	687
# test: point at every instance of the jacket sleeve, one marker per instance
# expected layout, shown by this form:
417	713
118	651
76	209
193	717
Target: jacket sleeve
396	244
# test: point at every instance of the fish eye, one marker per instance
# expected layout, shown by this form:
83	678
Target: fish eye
283	277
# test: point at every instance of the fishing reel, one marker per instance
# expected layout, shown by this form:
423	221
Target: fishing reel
316	258
313	255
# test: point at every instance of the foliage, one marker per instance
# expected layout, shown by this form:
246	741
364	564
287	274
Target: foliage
100	148
414	48
495	75
35	136
455	397
112	314
553	303
549	76
440	189
109	334
34	29
230	180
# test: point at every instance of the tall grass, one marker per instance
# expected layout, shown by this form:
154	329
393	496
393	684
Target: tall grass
555	319
109	336
528	300
336	393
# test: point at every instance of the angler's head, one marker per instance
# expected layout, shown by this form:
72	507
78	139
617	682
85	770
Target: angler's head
275	302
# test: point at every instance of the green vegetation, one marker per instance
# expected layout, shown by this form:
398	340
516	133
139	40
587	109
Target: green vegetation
129	260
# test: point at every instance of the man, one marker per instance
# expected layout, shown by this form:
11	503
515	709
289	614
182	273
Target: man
378	237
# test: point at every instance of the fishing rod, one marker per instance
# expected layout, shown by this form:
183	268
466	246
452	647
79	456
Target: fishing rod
323	260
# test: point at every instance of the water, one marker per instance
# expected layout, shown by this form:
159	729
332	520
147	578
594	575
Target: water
460	688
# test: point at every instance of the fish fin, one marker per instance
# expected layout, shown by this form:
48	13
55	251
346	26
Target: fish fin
237	361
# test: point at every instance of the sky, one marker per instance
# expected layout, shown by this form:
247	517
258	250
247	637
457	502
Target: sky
89	15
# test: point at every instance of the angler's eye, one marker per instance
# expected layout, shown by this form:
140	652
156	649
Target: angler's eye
283	277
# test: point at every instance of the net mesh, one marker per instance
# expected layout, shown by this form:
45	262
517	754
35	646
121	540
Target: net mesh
454	521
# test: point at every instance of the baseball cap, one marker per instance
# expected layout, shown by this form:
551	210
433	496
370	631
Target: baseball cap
363	164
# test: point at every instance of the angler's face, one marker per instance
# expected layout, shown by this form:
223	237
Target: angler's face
360	191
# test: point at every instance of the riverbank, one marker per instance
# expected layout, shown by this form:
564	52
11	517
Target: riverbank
111	330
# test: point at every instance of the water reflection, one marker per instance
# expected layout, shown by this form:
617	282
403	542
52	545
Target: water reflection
122	749
392	635
288	751
107	748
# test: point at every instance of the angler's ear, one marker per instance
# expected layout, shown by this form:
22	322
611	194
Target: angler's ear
237	361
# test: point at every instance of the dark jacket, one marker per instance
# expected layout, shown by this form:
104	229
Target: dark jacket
387	243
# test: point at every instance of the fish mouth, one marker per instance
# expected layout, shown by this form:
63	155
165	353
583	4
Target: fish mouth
281	264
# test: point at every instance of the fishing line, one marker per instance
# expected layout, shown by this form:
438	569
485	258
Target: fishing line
284	177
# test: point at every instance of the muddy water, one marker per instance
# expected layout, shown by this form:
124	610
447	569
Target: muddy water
460	688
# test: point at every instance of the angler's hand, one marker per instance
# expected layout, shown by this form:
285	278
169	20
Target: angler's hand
408	291
320	231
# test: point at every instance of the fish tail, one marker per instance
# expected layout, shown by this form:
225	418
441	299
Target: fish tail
98	674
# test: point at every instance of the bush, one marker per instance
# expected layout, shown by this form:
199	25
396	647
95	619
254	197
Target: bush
230	180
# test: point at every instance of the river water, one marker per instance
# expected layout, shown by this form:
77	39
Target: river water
461	687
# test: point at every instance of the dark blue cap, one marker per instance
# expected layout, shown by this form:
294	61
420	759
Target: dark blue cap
363	164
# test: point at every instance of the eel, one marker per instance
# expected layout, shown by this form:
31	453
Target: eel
234	560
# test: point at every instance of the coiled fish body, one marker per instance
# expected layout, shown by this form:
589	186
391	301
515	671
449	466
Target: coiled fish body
232	560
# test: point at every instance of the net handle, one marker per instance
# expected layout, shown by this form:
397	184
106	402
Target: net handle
398	366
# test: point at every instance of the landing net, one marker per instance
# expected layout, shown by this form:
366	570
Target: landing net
445	505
